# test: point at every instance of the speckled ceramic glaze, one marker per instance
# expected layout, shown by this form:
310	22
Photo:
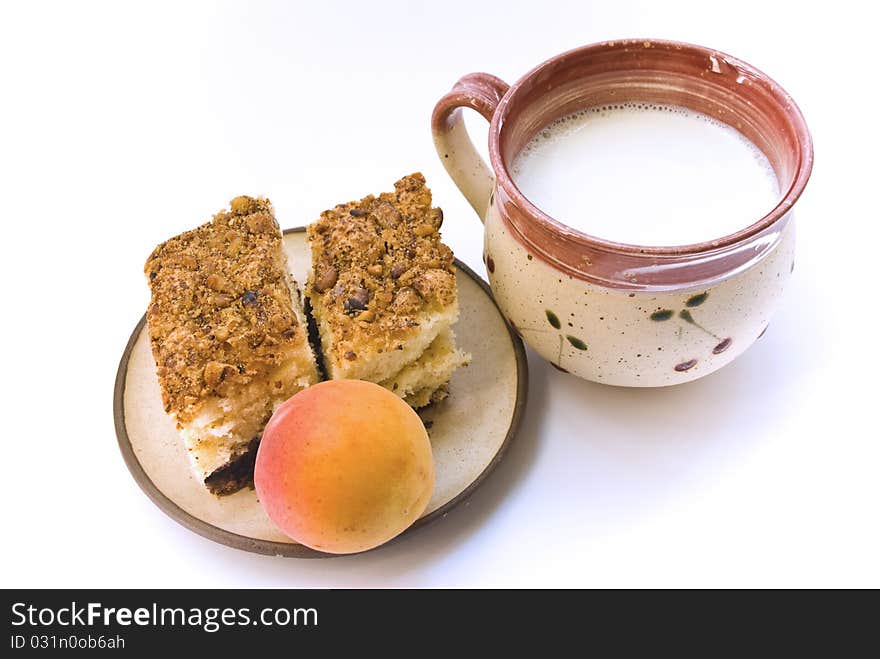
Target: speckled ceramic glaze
615	313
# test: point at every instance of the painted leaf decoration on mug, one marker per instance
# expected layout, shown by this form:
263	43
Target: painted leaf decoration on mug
696	300
576	342
553	319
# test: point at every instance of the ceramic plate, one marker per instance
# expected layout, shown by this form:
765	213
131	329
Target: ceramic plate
469	431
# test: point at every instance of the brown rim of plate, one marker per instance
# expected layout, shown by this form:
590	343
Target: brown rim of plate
293	550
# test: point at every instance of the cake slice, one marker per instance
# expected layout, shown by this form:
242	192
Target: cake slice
425	380
382	290
229	337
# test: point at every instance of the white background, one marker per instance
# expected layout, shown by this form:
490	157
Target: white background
123	125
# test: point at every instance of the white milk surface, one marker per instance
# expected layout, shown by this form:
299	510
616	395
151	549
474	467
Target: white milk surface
646	174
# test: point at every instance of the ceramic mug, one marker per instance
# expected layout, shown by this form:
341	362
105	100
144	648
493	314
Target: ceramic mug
617	313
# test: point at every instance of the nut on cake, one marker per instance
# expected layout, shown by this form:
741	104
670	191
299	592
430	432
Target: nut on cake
229	337
383	293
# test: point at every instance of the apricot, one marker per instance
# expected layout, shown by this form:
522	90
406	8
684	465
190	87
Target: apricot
344	466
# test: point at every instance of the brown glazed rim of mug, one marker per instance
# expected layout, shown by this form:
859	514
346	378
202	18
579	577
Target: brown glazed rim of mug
802	144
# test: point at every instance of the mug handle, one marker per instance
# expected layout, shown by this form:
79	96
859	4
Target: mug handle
481	92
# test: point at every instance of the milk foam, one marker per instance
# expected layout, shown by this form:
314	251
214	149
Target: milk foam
646	174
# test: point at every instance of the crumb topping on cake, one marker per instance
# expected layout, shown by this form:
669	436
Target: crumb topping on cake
220	313
379	266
